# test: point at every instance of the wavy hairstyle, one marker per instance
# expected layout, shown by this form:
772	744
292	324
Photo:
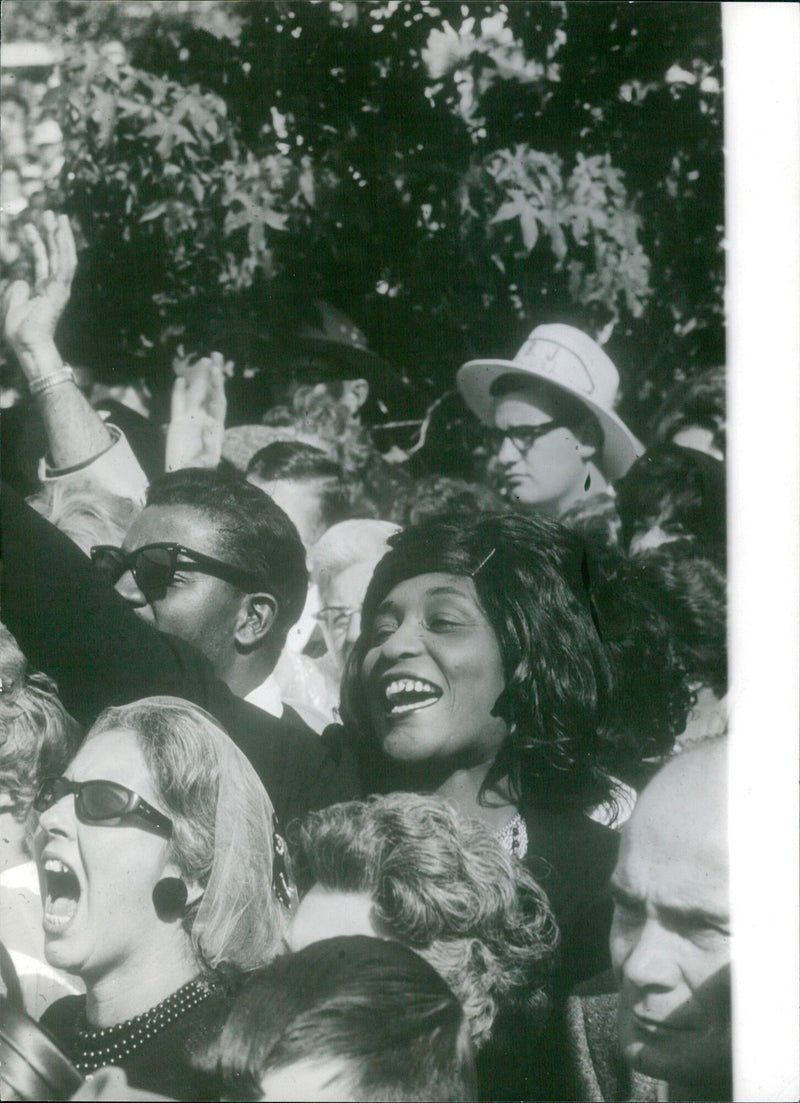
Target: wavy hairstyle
443	885
593	681
680	489
38	737
694	602
222	829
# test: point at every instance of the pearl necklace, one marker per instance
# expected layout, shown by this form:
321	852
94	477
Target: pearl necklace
111	1044
514	837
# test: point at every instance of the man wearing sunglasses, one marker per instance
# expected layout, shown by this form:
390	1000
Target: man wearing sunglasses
216	562
550	422
209	580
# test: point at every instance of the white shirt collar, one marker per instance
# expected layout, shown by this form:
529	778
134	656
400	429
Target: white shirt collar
267	697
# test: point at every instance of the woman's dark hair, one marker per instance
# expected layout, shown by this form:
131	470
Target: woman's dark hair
371	1004
693	600
678	488
695	402
592	678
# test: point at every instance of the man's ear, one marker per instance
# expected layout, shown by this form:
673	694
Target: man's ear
257	614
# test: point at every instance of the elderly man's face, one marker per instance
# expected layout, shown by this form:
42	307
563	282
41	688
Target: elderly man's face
670	938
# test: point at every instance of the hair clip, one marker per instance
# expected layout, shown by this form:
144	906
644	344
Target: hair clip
483	563
281	883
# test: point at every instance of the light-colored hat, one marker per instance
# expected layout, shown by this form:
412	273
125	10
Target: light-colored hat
569	360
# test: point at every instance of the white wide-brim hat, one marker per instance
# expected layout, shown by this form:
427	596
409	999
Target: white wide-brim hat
569	361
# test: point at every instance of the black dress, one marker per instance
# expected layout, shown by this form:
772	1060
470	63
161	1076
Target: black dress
572	857
156	1049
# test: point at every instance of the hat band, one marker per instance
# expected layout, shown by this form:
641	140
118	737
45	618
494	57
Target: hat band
554	361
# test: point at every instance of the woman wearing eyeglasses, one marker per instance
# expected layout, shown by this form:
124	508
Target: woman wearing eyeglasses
552	429
155	850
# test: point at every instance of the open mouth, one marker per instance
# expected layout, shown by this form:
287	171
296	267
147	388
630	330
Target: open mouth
63	891
403	695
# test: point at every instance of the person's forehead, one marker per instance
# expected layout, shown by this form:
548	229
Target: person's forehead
177	524
522	407
675	858
435	584
114	755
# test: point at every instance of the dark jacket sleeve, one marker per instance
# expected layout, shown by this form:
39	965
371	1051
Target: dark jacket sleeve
77	629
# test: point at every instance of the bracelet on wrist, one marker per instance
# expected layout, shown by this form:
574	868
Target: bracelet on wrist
53	379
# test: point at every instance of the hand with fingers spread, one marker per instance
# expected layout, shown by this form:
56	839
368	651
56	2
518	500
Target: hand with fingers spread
30	315
197	422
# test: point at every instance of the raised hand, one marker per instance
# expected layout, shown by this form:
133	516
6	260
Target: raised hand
197	422
30	315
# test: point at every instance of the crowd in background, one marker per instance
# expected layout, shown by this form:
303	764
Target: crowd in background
323	781
324	775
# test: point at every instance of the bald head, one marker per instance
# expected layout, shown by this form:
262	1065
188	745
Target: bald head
683	812
670	939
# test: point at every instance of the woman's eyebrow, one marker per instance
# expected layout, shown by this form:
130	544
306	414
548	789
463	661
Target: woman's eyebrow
452	591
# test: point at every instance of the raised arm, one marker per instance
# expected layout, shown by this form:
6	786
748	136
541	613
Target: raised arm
197	422
75	432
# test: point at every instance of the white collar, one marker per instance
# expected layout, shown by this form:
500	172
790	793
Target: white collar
267	697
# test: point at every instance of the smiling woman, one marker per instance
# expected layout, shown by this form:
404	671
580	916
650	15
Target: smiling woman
509	668
156	854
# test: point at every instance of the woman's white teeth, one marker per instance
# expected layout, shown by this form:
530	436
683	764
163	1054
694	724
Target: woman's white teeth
63	894
52	865
409	685
407	694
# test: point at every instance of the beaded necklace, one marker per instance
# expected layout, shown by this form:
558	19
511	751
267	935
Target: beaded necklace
108	1046
514	837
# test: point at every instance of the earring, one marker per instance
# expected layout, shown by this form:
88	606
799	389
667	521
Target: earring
588	482
169	898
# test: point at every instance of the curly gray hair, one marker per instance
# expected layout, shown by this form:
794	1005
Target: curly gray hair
443	885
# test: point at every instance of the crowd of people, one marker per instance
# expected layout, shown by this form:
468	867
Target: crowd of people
321	781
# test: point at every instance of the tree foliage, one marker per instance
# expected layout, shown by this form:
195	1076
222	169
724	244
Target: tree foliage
449	174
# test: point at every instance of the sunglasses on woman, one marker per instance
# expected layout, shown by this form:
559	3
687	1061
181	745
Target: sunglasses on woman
523	437
102	802
153	567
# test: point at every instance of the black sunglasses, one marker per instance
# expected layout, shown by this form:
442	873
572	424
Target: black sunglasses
523	437
102	802
154	565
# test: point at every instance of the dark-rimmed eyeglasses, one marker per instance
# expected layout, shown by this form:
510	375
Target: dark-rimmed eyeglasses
102	802
523	437
154	566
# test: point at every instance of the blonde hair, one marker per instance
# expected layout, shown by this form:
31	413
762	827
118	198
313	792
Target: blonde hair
222	828
37	735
